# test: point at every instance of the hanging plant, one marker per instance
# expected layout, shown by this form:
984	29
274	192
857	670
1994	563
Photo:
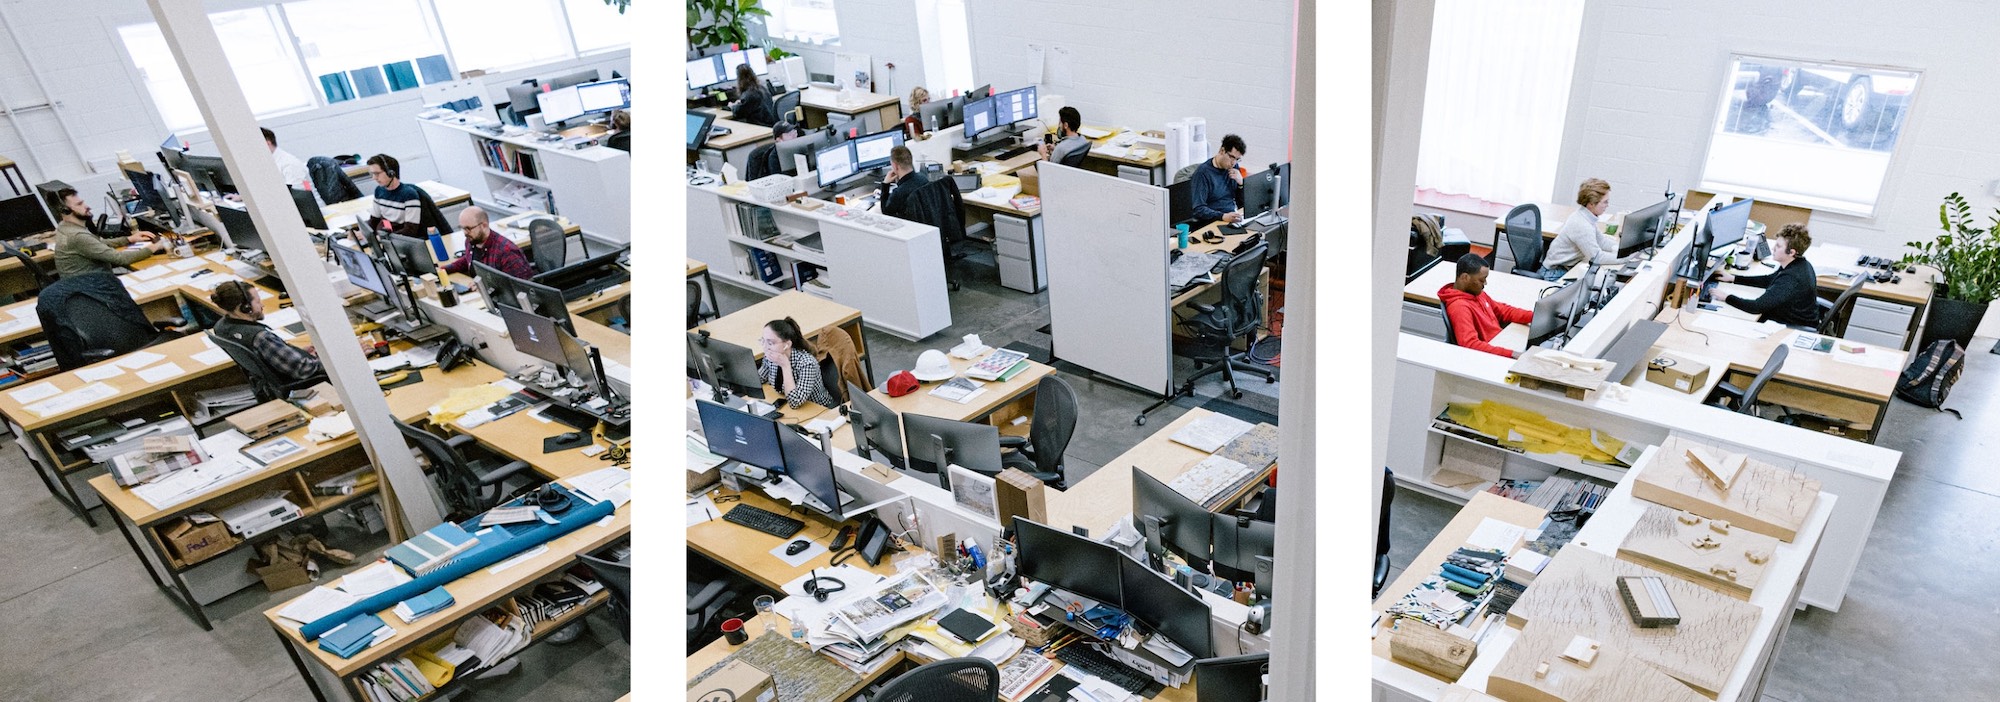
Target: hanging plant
620	4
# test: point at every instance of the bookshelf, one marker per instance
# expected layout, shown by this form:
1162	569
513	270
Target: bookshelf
591	186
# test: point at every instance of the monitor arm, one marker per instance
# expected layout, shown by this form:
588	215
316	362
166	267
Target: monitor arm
1266	570
943	462
861	443
1155	529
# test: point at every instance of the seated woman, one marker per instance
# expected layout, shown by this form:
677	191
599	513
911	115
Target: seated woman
790	366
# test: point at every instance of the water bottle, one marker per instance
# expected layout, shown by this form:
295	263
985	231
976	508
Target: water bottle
1183	230
799	630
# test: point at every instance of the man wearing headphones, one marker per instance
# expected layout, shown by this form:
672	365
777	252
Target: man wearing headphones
401	207
242	311
80	251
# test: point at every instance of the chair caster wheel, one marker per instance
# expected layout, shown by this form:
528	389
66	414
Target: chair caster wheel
1141	421
1236	394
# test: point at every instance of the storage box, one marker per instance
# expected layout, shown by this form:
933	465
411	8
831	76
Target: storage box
1677	372
1031	181
193	543
274	417
771	188
1019	495
737	681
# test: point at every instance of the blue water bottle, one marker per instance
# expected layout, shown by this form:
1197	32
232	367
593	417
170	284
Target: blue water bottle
1183	229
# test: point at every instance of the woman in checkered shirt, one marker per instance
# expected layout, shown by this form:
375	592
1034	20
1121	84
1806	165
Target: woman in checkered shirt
797	377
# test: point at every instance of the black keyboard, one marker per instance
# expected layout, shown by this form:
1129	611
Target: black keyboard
763	520
1087	659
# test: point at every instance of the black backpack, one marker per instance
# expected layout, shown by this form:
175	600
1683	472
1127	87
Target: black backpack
1931	374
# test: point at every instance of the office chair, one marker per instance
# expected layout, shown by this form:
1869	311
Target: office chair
788	107
1382	532
1524	239
699	310
1745	398
550	245
949	680
43	278
1218	327
1040	453
92	317
1833	315
470	487
1075	160
829	377
1185	173
616	577
1444	313
710	590
267	382
939	204
1267	506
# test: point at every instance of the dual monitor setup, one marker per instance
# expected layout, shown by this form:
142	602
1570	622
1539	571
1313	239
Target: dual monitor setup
568	97
720	69
209	174
1561	311
766	445
1096	571
1236	548
983	112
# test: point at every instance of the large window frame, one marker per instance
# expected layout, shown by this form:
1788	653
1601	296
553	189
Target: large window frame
1834	126
779	26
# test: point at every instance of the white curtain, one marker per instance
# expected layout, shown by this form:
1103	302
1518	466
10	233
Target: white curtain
947	46
1496	96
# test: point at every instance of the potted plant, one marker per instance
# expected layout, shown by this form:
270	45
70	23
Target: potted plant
722	22
1967	257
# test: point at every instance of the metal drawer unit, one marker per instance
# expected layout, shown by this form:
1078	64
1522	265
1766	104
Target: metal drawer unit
1423	320
1017	247
1880	322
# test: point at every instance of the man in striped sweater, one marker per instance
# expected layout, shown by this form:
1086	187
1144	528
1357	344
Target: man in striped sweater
401	207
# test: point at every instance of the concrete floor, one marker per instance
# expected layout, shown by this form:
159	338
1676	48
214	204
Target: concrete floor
1916	624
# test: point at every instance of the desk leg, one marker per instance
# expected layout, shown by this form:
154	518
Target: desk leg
75	500
179	593
300	663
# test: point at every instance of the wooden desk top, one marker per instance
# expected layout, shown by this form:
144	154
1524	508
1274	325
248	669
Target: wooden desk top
748	551
696	268
996	395
740	134
129	385
1097	502
340	215
473	593
1154	157
1819	371
719	649
745	327
1505	288
1482	506
828	99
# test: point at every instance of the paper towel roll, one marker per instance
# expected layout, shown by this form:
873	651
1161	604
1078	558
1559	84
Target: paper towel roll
1176	147
1197	143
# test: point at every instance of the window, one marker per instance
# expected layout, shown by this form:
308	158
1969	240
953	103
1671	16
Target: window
1496	97
378	40
498	35
947	45
258	53
802	21
1807	133
597	25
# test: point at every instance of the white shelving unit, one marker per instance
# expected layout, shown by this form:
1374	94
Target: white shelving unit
591	186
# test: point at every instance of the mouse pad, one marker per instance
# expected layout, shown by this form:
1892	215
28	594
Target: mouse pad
555	443
810	553
414	378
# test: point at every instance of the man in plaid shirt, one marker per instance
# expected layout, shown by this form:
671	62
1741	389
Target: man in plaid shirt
241	323
482	245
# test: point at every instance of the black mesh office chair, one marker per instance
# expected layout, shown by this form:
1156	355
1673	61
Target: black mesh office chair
616	577
1075	160
1744	399
949	680
788	106
1217	328
267	382
711	589
700	309
43	278
550	245
829	377
1833	315
91	318
939	204
470	486
1382	532
1444	313
1185	172
1524	239
1040	453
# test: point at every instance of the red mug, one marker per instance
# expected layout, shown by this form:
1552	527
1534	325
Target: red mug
732	631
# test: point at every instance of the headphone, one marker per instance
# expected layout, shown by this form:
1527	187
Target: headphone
249	303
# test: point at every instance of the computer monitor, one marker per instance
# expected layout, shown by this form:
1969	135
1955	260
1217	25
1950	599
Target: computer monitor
605	96
876	428
1167	609
704	72
1552	312
755	57
1067	561
835	164
741	436
23	216
241	230
588	75
809	465
174	159
1726	225
535	335
1180	202
1239	543
502	290
1641	226
149	190
806	145
941	114
980	93
934	443
698	124
209	174
361	270
1015	106
1266	190
725	366
308	207
1232	679
1169	520
979	117
559	105
872	151
408	255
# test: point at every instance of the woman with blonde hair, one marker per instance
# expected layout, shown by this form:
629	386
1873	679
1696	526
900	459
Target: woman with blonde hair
913	124
1579	241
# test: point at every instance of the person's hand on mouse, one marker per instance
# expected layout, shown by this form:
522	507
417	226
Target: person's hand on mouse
1232	217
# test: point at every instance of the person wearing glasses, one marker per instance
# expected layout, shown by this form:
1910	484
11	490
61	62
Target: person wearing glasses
1216	182
484	246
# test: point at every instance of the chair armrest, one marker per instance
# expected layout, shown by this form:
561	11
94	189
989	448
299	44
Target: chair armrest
169	324
1007	442
97	354
460	441
1202	306
503	473
710	593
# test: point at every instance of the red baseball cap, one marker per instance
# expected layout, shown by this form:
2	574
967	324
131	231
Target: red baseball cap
900	384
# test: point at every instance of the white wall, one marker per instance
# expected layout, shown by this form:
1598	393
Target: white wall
79	57
1648	75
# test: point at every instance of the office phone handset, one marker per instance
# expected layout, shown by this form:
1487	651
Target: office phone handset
871	542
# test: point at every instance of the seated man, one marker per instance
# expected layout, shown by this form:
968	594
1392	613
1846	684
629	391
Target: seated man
401	207
1790	296
1216	182
1475	317
902	182
764	159
1070	125
242	310
482	244
80	251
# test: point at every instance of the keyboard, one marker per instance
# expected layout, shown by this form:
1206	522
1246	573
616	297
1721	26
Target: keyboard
1087	659
763	520
1208	477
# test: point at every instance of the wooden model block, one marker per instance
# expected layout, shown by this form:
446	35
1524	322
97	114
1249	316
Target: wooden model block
1730	561
1646	599
1534	671
1020	495
1426	648
1581	651
1457	693
1578	594
1718	466
1562	372
1762	498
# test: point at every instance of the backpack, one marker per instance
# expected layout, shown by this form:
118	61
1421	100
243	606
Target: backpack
1931	374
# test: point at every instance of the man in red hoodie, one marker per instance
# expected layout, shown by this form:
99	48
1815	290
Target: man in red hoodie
1475	317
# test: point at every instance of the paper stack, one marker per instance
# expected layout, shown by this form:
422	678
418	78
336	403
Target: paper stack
432	549
357	634
423	605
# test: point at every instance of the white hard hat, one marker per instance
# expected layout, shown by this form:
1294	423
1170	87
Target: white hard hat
933	366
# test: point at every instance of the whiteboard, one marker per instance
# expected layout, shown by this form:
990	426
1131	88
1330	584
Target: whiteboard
1107	261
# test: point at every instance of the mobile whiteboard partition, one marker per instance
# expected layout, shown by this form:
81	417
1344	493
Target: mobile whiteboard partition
1107	261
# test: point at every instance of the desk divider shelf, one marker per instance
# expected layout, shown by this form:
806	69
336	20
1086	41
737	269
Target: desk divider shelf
508	604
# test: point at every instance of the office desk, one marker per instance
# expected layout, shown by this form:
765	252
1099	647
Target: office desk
876	111
332	677
1210	292
1153	163
733	148
1814	382
748	551
998	405
1099	501
745	327
1886	314
341	215
1505	288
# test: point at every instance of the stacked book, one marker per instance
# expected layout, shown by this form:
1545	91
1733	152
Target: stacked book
1002	364
424	605
357	634
157	456
398	679
431	550
35	358
551	600
1562	494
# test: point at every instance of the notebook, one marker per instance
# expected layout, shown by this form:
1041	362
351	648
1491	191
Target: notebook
432	549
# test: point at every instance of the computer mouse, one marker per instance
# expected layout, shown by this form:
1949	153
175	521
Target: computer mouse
797	546
571	436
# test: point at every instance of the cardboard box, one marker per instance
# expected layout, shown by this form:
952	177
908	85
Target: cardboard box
699	480
1676	371
1031	181
193	543
737	681
1020	495
322	402
274	417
